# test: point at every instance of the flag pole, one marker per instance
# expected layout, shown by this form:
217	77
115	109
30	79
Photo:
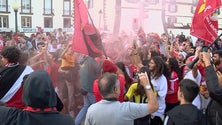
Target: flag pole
215	41
104	52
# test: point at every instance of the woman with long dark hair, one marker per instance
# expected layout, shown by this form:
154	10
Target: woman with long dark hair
124	72
159	72
173	84
136	93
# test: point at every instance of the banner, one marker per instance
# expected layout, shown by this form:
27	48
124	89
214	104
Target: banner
86	39
205	21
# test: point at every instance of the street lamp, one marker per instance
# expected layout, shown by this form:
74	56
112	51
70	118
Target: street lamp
15	7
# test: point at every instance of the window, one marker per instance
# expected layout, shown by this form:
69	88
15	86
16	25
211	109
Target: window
48	7
194	2
3	21
132	1
66	22
26	22
172	20
48	23
193	7
26	6
172	8
66	8
89	3
172	1
152	1
3	6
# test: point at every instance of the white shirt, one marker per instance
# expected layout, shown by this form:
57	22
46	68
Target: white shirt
115	113
51	49
160	86
190	76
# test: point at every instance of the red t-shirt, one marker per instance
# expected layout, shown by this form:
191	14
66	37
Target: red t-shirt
1	44
173	85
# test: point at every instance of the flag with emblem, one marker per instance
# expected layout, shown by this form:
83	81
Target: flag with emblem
205	22
87	39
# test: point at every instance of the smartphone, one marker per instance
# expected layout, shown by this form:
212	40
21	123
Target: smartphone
135	75
205	48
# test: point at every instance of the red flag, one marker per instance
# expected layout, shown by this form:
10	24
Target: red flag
204	24
86	39
141	32
142	35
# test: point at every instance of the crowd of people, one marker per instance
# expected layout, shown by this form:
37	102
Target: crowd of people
144	79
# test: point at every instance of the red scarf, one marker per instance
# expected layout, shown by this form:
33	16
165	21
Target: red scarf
31	109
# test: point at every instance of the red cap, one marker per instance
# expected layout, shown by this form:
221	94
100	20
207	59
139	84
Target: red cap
108	66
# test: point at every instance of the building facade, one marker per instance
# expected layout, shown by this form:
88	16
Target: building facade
153	15
36	14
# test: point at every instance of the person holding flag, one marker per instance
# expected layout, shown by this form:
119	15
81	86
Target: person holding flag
87	41
205	22
205	27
